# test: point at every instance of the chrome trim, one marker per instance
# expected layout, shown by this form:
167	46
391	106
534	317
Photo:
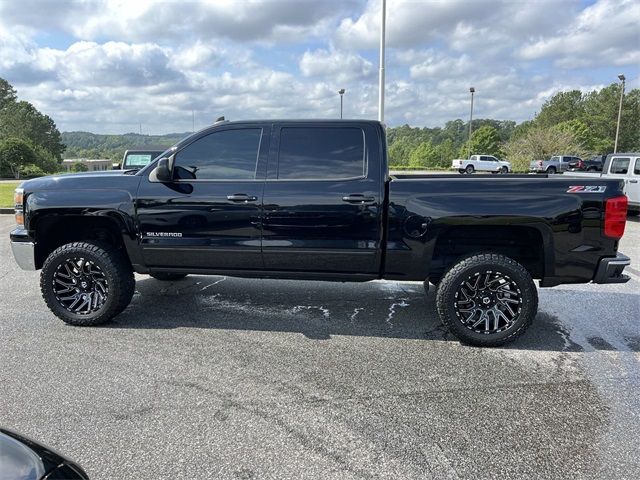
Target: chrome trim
24	254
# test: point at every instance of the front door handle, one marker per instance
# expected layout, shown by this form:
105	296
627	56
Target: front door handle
359	198
241	197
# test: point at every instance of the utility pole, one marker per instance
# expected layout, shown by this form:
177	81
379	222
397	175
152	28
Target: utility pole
472	91
381	78
341	93
622	79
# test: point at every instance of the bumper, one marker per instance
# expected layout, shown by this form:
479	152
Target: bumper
24	253
610	270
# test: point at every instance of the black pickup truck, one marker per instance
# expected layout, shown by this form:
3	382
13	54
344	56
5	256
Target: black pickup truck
313	200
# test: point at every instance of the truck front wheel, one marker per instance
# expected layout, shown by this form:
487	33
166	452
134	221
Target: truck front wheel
86	284
487	300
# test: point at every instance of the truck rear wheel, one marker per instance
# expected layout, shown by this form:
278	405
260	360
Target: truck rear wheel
487	300
469	170
86	283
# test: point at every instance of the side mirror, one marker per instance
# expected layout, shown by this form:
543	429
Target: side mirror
162	172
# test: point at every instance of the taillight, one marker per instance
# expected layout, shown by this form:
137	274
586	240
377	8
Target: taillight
615	216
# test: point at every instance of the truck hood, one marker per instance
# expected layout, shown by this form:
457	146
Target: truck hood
83	180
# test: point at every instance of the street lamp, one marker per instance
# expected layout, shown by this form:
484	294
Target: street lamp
341	92
472	91
615	145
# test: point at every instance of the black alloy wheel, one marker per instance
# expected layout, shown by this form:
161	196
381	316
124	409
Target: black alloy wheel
80	285
87	283
488	302
487	299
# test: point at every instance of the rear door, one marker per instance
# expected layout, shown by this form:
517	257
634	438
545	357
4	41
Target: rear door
323	199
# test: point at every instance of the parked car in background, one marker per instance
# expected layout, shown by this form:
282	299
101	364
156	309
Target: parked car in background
594	164
22	458
557	163
137	159
481	163
620	166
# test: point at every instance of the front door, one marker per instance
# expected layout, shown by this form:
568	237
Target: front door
209	216
323	200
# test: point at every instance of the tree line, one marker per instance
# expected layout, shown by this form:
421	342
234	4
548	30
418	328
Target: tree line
571	123
30	143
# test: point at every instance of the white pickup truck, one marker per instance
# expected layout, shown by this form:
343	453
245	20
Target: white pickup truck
481	163
625	166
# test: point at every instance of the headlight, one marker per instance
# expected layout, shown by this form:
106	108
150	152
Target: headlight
18	198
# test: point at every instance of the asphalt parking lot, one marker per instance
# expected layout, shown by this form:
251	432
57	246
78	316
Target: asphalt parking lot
215	377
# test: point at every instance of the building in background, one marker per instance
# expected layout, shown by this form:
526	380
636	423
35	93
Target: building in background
92	165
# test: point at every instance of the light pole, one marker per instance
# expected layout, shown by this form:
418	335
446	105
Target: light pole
381	77
341	92
615	145
472	91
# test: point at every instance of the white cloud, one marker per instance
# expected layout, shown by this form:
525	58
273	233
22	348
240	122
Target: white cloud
108	66
606	32
343	67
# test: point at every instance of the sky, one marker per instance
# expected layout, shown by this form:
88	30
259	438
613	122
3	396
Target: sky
136	65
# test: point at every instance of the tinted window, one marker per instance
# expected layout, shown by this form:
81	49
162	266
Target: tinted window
136	160
223	155
321	153
636	169
619	165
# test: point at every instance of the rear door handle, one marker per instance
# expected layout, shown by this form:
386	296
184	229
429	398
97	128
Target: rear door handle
633	181
359	198
241	197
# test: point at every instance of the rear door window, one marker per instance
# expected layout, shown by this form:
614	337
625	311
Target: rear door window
619	165
321	153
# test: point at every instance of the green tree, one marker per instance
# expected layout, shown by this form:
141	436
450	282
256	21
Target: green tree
7	93
16	154
539	144
484	141
562	107
79	167
424	155
445	152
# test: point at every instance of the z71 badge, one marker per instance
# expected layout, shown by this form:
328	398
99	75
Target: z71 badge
587	189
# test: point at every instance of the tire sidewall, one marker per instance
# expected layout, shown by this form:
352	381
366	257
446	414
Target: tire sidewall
528	311
113	282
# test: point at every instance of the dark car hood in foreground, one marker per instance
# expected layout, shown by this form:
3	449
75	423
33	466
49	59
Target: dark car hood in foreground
21	457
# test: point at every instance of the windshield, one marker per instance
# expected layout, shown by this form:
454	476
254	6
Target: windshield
139	160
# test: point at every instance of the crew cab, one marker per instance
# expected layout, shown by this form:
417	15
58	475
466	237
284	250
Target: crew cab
481	163
313	200
557	163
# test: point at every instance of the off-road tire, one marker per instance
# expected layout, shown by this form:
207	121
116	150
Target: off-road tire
168	276
456	275
117	271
